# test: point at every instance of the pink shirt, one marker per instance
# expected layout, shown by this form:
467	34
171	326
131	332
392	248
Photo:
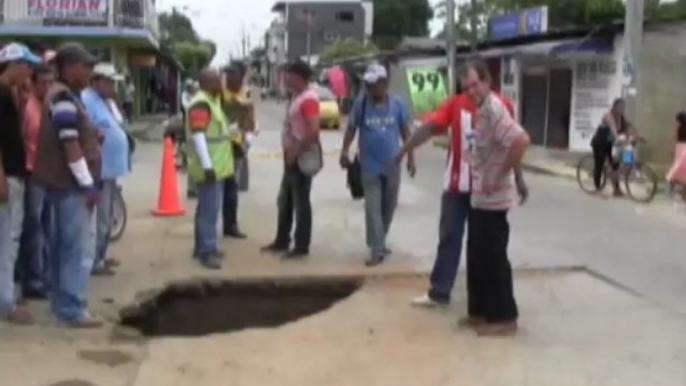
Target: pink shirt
304	106
30	127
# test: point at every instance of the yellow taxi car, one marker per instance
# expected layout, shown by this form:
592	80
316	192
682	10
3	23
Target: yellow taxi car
329	114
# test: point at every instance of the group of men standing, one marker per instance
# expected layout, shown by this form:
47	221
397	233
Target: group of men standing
481	181
63	147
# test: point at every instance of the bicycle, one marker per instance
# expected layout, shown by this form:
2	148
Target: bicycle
119	215
631	172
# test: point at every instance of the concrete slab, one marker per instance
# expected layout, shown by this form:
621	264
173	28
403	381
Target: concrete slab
576	330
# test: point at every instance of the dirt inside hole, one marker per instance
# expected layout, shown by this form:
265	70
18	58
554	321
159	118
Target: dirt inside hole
207	307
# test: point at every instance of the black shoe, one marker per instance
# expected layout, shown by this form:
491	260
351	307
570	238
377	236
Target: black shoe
296	254
235	233
387	251
374	261
211	261
274	248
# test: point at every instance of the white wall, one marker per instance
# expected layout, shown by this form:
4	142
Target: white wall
596	83
510	82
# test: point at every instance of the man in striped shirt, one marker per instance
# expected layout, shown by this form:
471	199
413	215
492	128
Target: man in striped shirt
455	116
499	146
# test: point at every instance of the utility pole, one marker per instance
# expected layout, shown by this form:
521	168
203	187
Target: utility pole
309	18
243	43
633	43
474	27
450	43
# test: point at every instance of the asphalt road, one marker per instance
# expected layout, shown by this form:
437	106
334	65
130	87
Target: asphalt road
642	248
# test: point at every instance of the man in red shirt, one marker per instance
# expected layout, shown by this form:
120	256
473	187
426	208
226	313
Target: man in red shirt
455	116
303	160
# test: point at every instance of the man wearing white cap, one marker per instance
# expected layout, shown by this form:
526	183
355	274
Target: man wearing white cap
15	70
115	157
382	120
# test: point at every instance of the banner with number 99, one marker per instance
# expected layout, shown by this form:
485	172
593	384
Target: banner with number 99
427	88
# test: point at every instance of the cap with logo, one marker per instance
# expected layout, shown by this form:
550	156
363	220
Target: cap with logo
72	53
374	73
107	70
16	52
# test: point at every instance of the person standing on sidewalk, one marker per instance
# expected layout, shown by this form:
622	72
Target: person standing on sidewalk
115	157
302	161
68	167
499	146
33	250
237	106
210	162
15	70
383	120
455	116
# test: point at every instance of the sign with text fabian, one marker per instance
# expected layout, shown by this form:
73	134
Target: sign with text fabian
427	88
68	9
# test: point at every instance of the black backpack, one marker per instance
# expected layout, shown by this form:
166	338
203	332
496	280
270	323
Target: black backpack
355	168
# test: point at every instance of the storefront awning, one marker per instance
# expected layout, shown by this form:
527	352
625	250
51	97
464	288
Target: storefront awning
558	47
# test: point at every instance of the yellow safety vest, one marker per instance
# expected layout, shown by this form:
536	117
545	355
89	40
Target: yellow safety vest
232	103
218	142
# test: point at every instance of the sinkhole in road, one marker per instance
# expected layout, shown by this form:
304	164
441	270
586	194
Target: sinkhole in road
206	307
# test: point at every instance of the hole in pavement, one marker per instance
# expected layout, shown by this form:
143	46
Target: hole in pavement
206	307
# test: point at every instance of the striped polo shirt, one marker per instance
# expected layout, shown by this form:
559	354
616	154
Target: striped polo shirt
494	133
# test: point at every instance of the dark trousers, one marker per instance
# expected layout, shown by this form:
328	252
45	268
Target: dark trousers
294	197
230	205
128	110
602	153
455	208
489	274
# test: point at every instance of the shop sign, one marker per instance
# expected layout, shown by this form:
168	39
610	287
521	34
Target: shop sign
525	22
592	98
427	88
68	9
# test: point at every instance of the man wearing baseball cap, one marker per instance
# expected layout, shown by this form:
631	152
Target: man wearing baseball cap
68	167
15	71
382	120
115	160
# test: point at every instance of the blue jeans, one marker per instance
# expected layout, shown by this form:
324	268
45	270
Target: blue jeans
381	199
104	221
70	258
455	209
206	217
11	218
33	253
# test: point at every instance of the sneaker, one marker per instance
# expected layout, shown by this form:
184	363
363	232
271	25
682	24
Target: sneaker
425	301
295	255
274	248
211	261
374	261
235	233
88	321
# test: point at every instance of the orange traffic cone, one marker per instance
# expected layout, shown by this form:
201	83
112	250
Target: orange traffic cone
168	202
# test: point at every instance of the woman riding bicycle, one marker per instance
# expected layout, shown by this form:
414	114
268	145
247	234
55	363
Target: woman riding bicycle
677	174
613	125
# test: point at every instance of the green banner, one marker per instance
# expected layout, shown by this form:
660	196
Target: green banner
427	88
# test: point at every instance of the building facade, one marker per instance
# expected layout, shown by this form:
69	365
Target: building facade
312	25
123	32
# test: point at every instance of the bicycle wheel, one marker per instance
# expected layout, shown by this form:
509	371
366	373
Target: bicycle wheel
119	217
584	175
641	183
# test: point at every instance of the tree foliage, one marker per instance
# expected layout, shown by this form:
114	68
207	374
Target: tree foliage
395	19
561	13
345	49
179	38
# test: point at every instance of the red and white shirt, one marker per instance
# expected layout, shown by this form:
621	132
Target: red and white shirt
456	115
